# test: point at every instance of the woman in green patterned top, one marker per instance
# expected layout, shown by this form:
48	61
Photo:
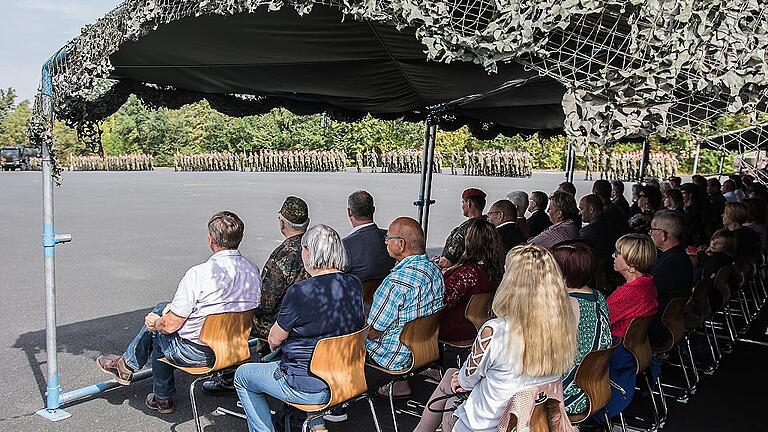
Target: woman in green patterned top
579	265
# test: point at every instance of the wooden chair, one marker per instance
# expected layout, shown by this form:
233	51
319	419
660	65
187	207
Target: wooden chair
420	337
340	362
593	377
636	342
540	409
227	335
477	312
369	289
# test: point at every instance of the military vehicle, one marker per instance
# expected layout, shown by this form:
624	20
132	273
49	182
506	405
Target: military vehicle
13	158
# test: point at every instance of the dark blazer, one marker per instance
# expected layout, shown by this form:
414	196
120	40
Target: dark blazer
538	222
510	236
367	256
622	204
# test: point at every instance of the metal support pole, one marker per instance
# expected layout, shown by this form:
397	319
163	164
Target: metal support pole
425	189
644	160
570	161
722	161
741	158
50	240
428	188
696	158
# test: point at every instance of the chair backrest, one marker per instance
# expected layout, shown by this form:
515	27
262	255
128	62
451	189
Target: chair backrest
723	281
593	377
673	321
227	335
369	289
636	341
478	309
340	362
540	409
420	336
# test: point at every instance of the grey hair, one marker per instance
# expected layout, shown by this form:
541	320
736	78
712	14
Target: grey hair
520	199
672	222
326	250
294	226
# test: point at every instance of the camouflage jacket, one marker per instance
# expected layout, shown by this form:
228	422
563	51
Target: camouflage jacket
283	268
454	244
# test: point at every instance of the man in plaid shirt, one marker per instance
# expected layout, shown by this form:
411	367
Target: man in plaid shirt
413	289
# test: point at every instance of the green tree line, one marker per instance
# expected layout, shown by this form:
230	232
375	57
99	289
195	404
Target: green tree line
197	127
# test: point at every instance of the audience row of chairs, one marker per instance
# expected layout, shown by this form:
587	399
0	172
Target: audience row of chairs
728	304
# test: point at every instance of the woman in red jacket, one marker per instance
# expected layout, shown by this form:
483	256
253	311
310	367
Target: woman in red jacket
634	258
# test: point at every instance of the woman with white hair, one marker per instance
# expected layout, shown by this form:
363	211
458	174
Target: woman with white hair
329	303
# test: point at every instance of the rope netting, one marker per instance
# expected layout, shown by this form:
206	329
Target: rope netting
631	68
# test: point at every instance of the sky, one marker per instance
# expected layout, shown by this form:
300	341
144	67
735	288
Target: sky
33	30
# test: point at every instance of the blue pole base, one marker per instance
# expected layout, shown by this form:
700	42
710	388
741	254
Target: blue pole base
53	415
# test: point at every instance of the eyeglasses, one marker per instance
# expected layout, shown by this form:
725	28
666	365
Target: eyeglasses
616	254
651	230
388	237
642	196
494	212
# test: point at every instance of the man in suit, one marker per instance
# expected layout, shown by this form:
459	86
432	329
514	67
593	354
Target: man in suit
366	252
611	212
538	221
502	215
618	199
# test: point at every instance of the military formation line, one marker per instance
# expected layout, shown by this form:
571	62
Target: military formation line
264	161
131	162
626	166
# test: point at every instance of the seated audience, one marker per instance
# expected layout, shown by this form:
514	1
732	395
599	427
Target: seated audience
578	265
501	362
756	215
635	207
730	193
673	271
367	256
717	255
615	217
738	187
567	187
413	289
564	215
598	233
695	215
227	282
633	259
328	304
649	200
664	187
282	269
502	215
617	197
747	241
472	205
716	202
478	271
538	221
520	200
673	200
675	181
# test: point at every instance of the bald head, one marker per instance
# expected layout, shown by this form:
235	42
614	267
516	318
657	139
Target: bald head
502	211
409	238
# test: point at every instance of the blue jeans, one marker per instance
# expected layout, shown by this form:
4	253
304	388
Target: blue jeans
152	346
254	381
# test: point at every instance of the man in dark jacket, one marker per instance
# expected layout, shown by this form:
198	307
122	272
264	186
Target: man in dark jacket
618	199
367	256
538	221
502	215
612	213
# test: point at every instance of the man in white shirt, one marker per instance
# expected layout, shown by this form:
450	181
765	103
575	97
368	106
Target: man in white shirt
227	282
731	193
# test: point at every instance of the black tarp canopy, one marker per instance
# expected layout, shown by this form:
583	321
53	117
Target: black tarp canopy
325	61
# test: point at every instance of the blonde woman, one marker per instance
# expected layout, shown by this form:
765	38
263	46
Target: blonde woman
531	342
634	258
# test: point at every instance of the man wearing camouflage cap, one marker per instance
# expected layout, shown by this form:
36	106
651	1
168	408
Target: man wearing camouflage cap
282	269
472	204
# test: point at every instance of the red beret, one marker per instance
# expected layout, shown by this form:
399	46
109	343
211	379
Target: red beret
472	192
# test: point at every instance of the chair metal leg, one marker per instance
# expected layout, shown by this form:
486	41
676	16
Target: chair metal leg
392	406
693	364
373	413
660	385
714	338
623	423
193	403
653	401
688	385
608	420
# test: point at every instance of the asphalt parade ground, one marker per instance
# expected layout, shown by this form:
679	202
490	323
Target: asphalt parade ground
136	233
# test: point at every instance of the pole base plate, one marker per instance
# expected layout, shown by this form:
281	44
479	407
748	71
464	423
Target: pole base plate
53	415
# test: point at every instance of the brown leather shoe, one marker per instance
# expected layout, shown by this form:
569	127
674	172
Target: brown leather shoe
115	366
163	406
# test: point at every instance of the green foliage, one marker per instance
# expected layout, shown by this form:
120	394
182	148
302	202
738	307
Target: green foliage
14	125
6	105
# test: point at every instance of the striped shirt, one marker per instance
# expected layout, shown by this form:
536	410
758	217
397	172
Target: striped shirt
413	289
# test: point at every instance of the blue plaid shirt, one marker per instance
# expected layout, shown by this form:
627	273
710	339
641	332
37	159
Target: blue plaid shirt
412	290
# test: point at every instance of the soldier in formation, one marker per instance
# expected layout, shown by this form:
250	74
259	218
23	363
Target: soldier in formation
131	162
626	166
498	163
264	161
403	161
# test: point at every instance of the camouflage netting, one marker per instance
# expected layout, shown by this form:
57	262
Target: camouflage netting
630	67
